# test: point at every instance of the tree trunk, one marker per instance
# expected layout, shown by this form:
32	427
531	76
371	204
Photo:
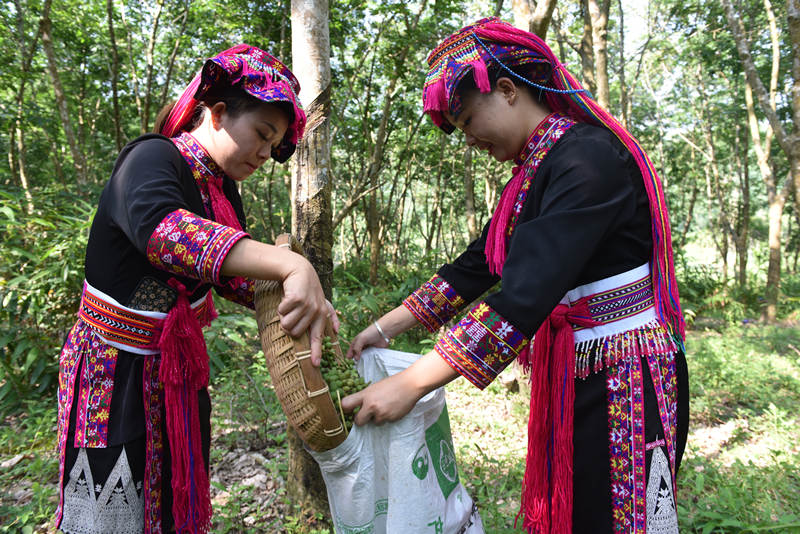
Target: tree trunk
599	17
522	13
148	87
623	86
789	142
586	50
171	63
469	196
311	194
16	153
533	16
114	74
742	229
374	222
61	102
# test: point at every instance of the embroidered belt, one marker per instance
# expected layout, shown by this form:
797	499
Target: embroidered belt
616	304
126	328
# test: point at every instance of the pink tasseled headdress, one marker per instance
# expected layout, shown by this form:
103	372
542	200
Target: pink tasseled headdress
259	74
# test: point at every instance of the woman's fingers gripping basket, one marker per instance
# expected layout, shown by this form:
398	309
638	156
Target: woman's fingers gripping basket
310	405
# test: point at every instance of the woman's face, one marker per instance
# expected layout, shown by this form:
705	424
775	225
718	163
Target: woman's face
241	144
493	121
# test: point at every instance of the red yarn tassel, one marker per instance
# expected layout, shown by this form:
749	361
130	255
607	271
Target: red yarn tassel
496	238
547	483
223	211
184	371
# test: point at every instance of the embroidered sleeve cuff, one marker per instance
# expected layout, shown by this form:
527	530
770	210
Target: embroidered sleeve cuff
239	290
434	303
185	243
481	345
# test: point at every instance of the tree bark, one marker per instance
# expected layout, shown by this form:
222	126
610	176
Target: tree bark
623	86
174	53
114	74
742	227
586	50
148	88
16	152
61	102
469	195
599	17
374	222
311	202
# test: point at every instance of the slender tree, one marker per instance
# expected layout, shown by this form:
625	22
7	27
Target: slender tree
311	199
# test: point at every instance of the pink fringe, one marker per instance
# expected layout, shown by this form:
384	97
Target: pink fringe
182	111
496	239
223	210
481	75
184	371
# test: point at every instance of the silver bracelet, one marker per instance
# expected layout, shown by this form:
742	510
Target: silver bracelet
381	332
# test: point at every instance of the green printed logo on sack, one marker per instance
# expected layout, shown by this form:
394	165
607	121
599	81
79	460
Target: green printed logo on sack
419	466
381	508
442	456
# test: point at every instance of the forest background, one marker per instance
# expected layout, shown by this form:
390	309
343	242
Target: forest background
711	89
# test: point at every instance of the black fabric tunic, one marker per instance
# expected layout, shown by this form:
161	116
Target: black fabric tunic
586	218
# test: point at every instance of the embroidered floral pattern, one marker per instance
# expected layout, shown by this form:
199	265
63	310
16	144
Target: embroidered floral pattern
620	445
639	446
79	341
481	345
243	294
434	303
186	244
94	397
153	395
665	382
203	167
539	144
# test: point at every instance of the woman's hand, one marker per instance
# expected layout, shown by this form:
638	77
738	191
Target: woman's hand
393	324
304	307
393	397
384	401
369	337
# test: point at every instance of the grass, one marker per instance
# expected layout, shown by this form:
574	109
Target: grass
741	470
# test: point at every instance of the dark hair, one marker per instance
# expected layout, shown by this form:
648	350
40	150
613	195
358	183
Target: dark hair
236	100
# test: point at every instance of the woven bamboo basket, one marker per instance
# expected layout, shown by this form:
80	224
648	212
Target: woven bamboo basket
301	390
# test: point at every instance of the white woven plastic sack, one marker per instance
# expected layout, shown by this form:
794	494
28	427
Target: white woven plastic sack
399	477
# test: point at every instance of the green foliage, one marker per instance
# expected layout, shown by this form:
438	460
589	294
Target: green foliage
740	470
40	283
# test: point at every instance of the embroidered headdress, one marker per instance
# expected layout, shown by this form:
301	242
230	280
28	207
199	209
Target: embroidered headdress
493	45
260	75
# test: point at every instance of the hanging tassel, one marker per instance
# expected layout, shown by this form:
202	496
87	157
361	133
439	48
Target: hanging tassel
481	76
184	371
547	483
496	241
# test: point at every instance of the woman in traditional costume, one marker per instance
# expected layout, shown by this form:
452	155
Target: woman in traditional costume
134	410
580	243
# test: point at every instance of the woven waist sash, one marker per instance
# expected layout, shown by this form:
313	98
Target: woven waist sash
128	329
621	321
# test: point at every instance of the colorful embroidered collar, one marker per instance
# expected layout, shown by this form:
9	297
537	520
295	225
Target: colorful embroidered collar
204	168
